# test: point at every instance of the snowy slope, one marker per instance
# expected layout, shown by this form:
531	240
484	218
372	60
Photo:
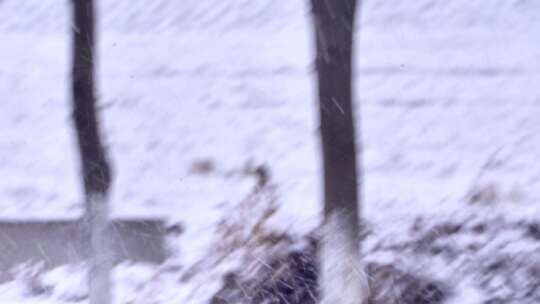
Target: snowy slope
49	16
443	89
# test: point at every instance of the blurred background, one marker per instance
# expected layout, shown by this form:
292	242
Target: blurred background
195	96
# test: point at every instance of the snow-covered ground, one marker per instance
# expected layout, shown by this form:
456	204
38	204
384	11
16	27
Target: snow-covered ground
448	97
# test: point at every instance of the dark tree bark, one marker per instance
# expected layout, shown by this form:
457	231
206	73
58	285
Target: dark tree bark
96	172
342	279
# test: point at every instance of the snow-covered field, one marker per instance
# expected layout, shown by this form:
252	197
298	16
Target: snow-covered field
448	97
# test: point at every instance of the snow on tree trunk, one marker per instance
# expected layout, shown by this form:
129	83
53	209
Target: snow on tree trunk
99	276
96	172
342	278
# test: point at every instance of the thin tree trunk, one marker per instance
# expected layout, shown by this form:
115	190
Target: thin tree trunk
342	278
95	169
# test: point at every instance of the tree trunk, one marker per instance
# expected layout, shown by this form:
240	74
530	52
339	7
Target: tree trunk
342	278
96	172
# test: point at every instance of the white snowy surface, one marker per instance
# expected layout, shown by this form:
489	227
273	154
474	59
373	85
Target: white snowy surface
442	89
